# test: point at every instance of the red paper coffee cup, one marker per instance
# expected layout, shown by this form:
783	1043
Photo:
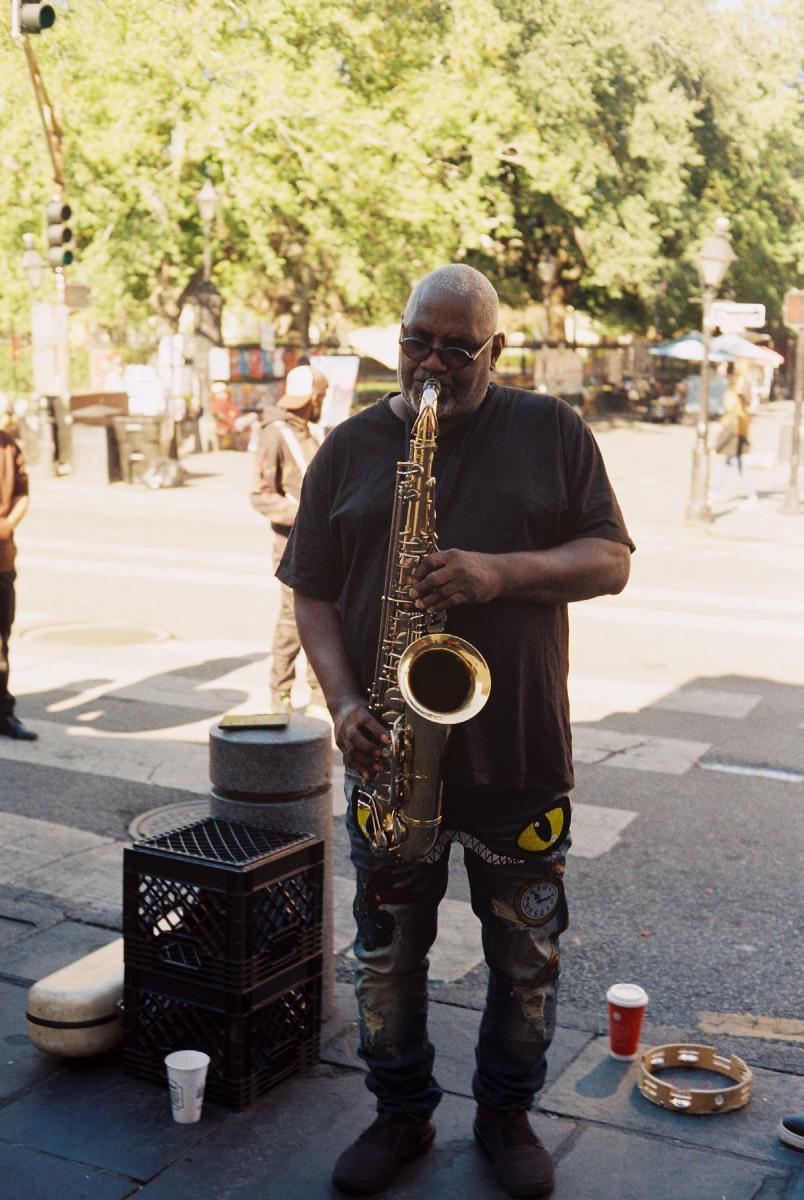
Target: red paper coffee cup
627	1002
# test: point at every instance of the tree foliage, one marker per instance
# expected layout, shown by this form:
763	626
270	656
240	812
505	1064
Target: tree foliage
356	145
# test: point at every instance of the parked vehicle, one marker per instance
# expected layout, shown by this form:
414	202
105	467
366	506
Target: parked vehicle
651	401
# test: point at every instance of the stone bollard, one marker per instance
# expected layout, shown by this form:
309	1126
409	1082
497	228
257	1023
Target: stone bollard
281	779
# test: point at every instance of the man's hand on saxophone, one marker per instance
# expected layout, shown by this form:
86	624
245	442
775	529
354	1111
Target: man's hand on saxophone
359	736
451	577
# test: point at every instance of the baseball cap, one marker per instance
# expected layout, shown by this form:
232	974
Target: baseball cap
298	387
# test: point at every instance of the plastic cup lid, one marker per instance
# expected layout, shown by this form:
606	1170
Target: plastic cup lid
627	995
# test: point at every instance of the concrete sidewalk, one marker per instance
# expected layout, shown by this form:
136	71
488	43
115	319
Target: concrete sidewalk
84	1130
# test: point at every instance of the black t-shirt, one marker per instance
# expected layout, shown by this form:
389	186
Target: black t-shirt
524	473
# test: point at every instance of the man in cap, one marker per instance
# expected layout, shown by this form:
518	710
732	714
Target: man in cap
13	507
287	441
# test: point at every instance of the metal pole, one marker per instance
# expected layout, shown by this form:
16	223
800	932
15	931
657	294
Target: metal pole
698	510
791	505
207	251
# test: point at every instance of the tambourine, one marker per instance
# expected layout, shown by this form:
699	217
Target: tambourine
694	1100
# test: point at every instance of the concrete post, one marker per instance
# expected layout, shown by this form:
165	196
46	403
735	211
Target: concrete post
280	779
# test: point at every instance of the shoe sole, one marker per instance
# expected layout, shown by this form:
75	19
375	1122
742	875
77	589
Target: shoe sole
546	1190
789	1138
353	1190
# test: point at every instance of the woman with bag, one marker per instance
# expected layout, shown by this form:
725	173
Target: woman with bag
732	442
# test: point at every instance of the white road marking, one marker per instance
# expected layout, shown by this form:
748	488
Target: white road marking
745	769
709	703
719	601
704	622
596	829
71	567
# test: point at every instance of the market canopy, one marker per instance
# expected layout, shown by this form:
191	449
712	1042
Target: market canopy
741	348
728	347
689	348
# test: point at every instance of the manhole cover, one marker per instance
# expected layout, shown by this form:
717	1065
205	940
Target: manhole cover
97	633
169	816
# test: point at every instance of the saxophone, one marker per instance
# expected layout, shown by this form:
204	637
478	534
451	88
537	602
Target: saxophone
425	680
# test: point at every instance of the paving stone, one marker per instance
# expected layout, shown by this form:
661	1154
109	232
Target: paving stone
453	1032
607	1164
91	1112
27	1175
41	953
21	1064
12	930
91	881
596	1087
28	845
259	1152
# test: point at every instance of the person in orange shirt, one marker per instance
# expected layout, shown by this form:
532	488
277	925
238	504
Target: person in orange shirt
13	507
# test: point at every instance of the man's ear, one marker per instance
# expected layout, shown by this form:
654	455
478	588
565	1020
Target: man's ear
497	343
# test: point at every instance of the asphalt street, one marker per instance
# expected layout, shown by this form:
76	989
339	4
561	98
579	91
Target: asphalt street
143	616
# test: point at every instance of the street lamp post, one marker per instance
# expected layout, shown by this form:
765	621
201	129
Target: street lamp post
207	200
715	258
547	269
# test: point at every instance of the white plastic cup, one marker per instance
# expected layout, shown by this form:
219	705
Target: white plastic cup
627	1003
187	1074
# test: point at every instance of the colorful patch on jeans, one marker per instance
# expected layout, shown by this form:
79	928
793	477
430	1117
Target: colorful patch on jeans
470	842
548	829
536	902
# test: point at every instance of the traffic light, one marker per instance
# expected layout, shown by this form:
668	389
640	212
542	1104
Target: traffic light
59	234
31	18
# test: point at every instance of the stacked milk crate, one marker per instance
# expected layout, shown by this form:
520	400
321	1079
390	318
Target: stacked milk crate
222	945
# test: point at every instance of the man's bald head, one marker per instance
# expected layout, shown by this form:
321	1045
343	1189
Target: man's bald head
454	307
460	282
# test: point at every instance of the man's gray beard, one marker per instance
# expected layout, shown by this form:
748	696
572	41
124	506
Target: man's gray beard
449	405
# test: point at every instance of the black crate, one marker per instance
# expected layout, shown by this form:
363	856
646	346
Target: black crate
275	1034
223	902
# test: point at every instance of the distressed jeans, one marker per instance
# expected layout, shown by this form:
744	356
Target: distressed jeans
514	852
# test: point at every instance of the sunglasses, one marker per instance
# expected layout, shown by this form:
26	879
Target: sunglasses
454	358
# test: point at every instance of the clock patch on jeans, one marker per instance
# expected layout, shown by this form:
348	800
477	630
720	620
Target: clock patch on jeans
536	902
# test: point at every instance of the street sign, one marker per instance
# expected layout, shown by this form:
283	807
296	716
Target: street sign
731	318
794	309
77	295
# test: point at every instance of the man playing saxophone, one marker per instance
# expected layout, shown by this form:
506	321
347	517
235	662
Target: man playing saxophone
527	522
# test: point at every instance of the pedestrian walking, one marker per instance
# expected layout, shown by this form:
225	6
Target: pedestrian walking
286	444
732	443
527	522
13	507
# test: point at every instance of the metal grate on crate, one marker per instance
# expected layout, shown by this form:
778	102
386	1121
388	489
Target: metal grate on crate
216	840
234	942
249	1053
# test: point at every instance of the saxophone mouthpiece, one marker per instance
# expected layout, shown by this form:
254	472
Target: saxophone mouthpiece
430	391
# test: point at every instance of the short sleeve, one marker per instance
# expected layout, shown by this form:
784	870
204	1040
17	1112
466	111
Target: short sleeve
591	506
313	562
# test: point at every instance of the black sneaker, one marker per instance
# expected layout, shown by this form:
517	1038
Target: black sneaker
519	1161
791	1131
373	1161
12	727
